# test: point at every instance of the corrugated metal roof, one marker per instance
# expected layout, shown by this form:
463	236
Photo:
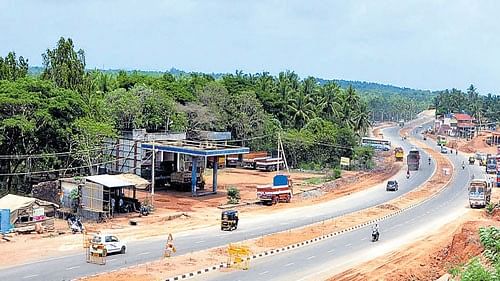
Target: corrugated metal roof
109	181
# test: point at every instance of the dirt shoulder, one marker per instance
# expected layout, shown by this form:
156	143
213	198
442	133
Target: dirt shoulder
219	255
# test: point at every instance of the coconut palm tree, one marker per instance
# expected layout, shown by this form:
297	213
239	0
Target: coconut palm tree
329	103
301	109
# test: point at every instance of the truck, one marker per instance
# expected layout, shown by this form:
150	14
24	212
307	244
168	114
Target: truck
269	164
491	164
399	153
413	159
232	160
250	160
479	192
441	140
279	191
221	162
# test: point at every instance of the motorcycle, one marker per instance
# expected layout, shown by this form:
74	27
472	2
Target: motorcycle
75	224
145	210
375	235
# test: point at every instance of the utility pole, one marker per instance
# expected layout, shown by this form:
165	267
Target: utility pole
153	174
278	159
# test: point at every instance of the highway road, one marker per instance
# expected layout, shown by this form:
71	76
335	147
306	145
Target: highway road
325	258
73	266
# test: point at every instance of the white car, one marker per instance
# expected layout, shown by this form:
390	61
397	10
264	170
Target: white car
111	243
444	150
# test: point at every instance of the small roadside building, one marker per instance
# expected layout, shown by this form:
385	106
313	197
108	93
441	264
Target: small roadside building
110	194
27	210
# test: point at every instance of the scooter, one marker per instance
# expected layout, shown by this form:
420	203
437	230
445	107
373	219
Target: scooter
375	235
75	225
145	210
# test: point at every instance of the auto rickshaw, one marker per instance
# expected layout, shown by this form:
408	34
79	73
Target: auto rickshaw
472	160
229	220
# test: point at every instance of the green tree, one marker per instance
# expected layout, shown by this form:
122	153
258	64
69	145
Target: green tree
88	142
12	68
64	66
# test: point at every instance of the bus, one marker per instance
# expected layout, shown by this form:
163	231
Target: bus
441	140
379	144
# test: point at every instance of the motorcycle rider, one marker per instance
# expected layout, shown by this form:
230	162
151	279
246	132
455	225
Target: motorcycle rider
375	232
463	165
408	173
429	160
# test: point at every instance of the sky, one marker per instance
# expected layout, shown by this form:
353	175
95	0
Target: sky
426	44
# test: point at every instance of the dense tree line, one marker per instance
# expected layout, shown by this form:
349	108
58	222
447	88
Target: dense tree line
67	108
481	107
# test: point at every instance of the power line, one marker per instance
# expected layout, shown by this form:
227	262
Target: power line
320	143
71	168
34	156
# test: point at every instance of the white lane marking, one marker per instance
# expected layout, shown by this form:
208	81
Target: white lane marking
311	257
198	242
288	264
364	239
331	250
265	272
284	223
30	276
73	267
111	260
348	245
145	253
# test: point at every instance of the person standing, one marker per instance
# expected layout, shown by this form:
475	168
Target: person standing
112	206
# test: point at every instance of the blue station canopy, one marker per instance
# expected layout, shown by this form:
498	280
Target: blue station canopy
195	148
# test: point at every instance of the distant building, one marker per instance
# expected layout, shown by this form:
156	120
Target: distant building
456	125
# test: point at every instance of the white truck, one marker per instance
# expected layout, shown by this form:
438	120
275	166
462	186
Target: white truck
479	192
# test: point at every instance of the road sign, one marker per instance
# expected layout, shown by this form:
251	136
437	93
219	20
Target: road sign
344	161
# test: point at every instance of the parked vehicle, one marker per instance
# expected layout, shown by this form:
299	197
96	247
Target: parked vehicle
269	164
392	185
444	150
479	192
491	164
229	220
250	160
279	191
111	243
75	224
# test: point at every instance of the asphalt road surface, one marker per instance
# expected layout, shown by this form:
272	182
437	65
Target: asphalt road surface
315	261
74	265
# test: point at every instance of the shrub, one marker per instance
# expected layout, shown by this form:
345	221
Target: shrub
233	194
490	208
475	271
